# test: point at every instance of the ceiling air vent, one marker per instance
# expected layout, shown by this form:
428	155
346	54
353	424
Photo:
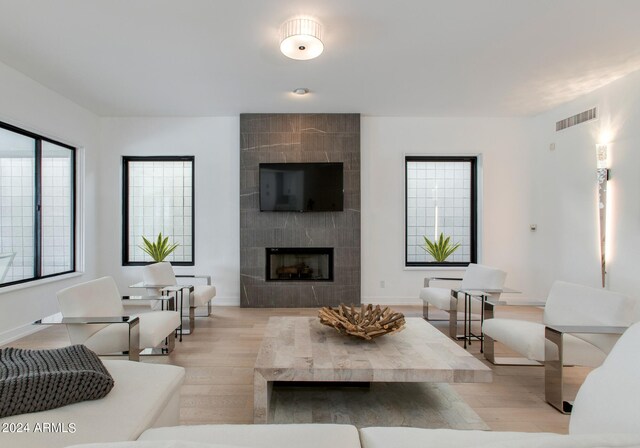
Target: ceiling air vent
587	115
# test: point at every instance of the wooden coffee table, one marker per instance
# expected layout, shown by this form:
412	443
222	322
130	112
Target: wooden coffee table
301	349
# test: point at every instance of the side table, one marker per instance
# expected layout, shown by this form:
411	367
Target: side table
481	294
179	290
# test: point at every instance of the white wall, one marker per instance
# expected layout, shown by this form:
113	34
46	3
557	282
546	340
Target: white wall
29	105
565	191
523	183
215	144
503	227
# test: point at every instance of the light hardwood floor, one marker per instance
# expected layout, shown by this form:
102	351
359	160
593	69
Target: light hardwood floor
220	355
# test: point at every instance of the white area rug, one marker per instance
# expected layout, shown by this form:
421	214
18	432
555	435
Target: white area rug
419	405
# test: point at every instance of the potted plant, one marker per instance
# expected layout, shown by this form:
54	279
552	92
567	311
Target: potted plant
441	248
160	249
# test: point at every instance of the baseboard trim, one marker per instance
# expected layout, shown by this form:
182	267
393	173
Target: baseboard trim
20	332
392	300
226	301
235	301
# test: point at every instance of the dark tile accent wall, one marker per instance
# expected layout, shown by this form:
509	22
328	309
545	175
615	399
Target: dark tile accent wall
279	138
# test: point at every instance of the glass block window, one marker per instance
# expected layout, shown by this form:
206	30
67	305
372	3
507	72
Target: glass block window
37	204
440	199
158	198
57	216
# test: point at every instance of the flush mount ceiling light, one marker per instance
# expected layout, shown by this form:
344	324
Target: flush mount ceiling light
301	91
301	39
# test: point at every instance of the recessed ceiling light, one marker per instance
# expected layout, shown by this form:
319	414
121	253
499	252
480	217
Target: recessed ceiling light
301	91
301	39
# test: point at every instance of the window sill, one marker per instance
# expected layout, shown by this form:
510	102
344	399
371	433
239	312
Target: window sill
435	268
42	281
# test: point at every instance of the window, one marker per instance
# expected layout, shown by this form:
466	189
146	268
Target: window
158	197
441	198
37	206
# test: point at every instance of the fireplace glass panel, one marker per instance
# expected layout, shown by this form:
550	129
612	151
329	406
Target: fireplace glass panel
299	264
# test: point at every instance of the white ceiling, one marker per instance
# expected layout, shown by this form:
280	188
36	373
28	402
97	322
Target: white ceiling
382	57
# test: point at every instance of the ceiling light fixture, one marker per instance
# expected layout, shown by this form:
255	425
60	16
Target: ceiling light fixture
301	91
301	39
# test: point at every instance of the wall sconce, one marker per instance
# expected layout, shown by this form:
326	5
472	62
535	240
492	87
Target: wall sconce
603	176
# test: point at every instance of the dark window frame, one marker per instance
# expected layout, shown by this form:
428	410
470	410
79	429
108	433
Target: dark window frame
473	256
37	221
125	206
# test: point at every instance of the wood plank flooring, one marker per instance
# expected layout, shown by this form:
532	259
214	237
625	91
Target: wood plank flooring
220	355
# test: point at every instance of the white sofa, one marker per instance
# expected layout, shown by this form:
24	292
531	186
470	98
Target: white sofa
245	436
606	413
451	438
143	396
261	436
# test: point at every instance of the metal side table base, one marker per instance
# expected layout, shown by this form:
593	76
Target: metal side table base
186	322
486	312
468	334
178	291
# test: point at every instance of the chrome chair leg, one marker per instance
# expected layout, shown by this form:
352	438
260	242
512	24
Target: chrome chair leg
134	340
553	371
171	342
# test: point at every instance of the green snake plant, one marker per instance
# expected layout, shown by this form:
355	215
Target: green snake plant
160	249
441	248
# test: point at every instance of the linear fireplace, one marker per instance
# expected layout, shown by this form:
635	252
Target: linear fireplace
313	264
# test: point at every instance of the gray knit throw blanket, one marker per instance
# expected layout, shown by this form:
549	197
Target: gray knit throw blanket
37	380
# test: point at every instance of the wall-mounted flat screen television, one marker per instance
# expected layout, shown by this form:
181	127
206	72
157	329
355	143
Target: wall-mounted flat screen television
301	187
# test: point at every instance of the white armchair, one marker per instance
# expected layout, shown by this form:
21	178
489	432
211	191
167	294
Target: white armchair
567	304
200	295
580	326
476	276
100	298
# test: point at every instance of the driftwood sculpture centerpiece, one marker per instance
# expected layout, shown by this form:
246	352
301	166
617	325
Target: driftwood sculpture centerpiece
366	322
